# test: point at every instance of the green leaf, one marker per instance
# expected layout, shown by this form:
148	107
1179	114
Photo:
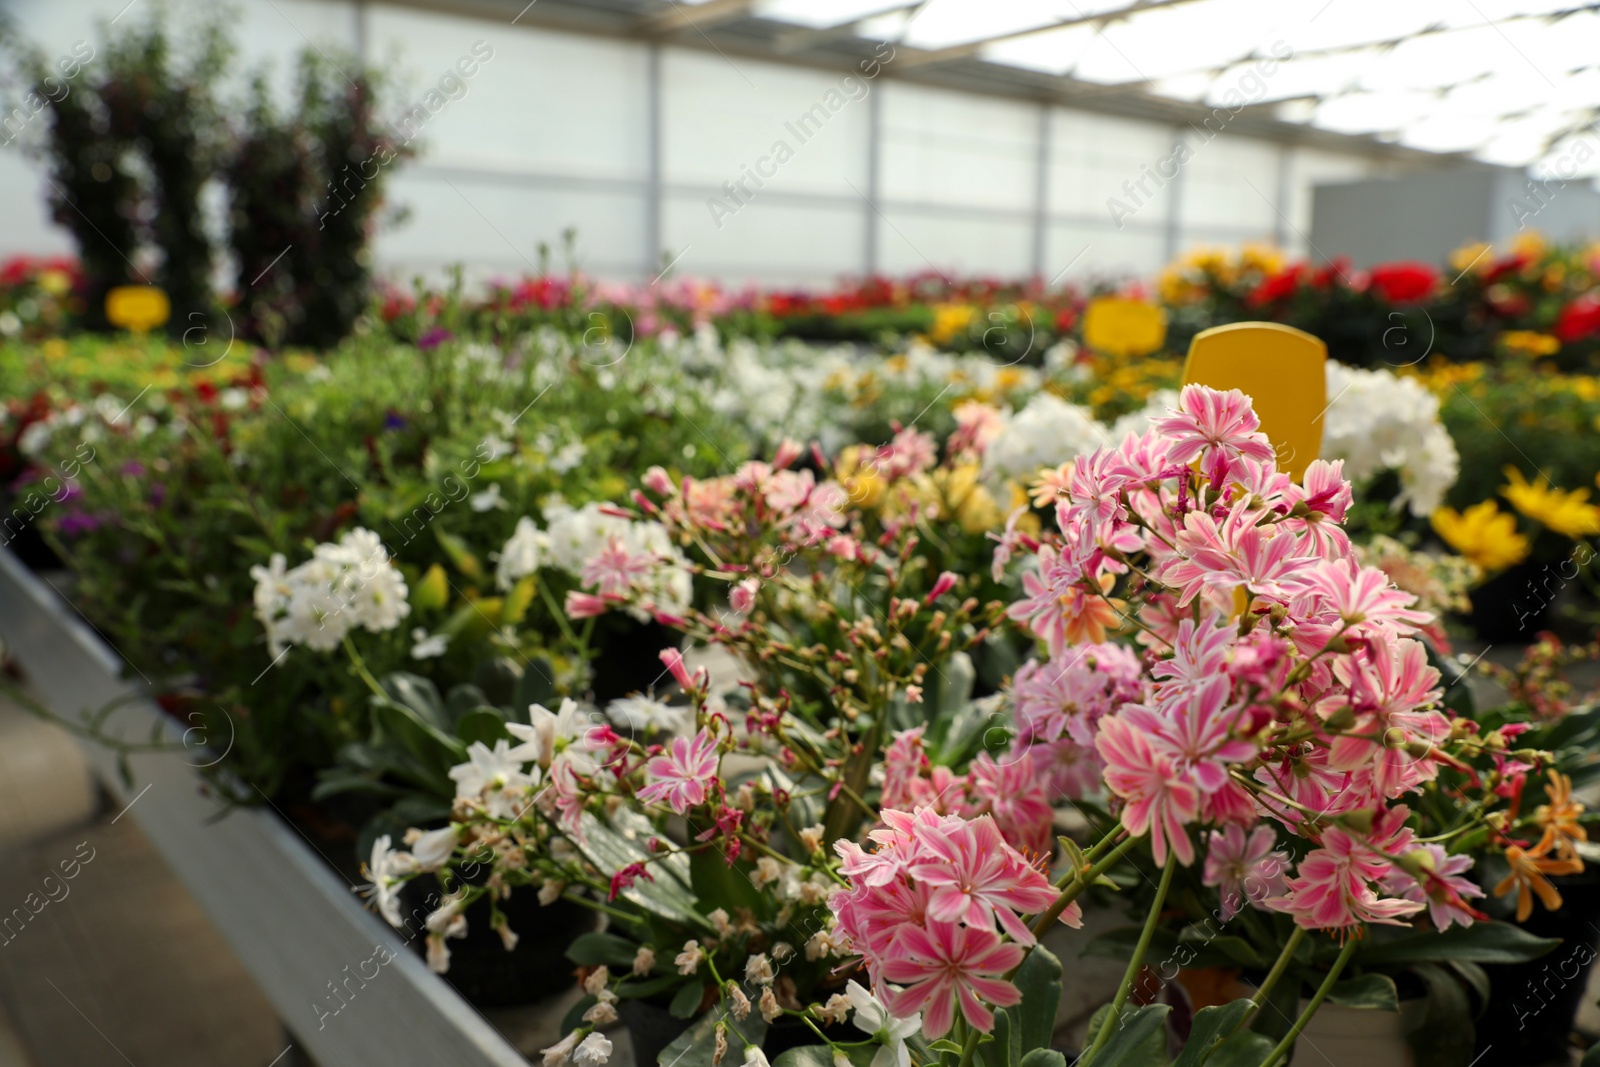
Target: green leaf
460	555
1476	979
1140	1039
1244	1049
1280	1009
536	687
482	724
634	989
1211	1026
819	1056
1592	1057
591	950
687	1001
1004	1047
1043	1057
518	600
694	1047
1217	950
432	591
606	846
1039	980
718	884
1375	991
436	750
574	1017
1482	942
463	698
1445	1036
420	696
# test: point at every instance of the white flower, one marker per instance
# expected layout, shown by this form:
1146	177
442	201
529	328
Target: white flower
233	399
1046	433
342	586
386	868
592	1051
873	1018
646	714
428	646
557	1054
1377	421
432	848
547	732
644	960
570	455
758	969
522	555
495	776
488	500
754	1057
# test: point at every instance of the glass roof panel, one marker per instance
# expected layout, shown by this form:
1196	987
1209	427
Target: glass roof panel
1503	78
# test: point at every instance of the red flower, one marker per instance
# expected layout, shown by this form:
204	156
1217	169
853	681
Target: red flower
1403	283
626	876
1277	287
1579	319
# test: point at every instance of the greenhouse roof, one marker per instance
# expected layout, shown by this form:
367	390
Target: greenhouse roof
1511	82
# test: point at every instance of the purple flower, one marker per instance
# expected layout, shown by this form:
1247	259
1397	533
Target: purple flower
392	420
133	469
78	523
433	337
158	494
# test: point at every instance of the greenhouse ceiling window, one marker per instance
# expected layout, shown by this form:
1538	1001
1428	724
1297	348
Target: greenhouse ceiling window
1510	82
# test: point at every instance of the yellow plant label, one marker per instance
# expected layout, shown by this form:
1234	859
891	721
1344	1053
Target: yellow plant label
137	307
1118	326
1282	370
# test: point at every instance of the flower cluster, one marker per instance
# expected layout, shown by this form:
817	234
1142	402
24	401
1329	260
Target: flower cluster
614	559
935	912
341	587
1282	678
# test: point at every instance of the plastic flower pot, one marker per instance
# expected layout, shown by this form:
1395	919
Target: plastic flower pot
481	969
1511	606
651	1028
1532	1005
1359	1037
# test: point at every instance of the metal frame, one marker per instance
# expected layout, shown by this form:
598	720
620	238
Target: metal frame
293	922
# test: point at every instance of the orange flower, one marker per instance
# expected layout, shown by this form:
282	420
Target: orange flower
1527	877
1559	819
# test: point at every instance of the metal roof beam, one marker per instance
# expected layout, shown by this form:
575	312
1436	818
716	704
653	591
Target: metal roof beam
700	17
972	48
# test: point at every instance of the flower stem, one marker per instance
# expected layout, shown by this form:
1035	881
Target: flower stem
1316	1002
1265	988
1084	880
1136	964
970	1046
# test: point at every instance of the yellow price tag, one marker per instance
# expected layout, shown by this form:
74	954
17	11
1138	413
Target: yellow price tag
1118	326
137	307
1284	372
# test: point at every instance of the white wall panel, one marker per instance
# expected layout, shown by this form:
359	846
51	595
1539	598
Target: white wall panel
497	224
1092	156
721	116
768	240
911	241
1078	253
1231	184
943	147
554	102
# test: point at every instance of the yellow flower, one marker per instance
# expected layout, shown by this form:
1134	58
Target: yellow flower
857	472
1530	244
1568	513
1261	257
55	282
1483	534
1530	343
1475	255
949	320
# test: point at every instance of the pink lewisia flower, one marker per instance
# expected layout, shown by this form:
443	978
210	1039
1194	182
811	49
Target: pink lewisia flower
626	876
1217	426
978	880
1244	867
1015	796
585	605
944	964
682	776
1443	888
1158	798
614	570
